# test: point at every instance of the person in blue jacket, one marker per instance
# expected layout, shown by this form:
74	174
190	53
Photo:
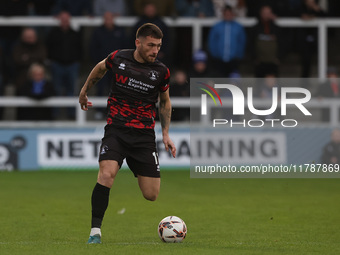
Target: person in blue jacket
226	45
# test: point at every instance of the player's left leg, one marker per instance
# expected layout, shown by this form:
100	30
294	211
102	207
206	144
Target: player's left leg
108	170
149	186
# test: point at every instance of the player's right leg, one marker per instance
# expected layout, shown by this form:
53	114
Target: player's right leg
108	170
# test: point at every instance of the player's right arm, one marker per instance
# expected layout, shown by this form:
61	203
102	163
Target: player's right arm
96	74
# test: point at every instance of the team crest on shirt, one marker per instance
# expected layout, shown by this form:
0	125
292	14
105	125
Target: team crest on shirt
104	149
153	75
122	66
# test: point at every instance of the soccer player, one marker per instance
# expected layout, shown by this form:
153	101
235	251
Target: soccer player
139	80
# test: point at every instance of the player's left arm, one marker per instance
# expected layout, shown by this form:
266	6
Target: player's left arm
165	118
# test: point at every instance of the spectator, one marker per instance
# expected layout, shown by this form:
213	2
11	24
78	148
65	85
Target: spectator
105	39
200	66
10	34
150	15
267	84
180	88
283	8
164	7
331	151
253	7
14	7
42	7
311	9
183	45
265	43
64	51
329	89
195	8
27	51
227	41
74	7
307	37
37	87
117	7
287	8
333	8
239	7
1	82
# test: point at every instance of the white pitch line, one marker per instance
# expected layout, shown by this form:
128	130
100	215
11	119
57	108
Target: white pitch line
31	242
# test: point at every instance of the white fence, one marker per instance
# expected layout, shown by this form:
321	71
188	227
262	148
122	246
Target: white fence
315	105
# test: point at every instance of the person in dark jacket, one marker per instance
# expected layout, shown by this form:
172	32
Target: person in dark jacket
180	88
307	36
28	50
117	7
64	51
9	35
329	89
105	39
265	43
331	151
74	7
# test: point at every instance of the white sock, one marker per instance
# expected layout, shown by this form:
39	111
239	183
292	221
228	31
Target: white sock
95	231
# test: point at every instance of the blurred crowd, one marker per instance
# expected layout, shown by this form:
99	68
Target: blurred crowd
41	62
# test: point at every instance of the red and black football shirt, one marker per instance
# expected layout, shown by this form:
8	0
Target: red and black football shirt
135	89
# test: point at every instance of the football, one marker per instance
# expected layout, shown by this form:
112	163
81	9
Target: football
172	229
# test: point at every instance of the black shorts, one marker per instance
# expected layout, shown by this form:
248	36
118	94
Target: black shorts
137	146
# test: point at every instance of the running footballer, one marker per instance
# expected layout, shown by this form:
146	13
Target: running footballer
139	80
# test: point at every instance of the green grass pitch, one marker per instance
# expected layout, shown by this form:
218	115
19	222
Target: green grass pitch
48	212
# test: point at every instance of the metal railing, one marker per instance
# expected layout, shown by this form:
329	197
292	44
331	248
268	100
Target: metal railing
80	118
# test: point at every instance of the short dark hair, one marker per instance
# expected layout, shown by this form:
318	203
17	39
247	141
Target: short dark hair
149	29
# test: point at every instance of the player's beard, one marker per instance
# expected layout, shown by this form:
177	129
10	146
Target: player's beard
147	58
